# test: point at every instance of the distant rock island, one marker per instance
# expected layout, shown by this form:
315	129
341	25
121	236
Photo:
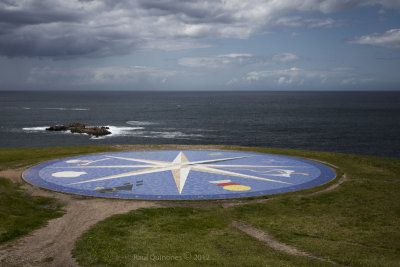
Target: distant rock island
77	127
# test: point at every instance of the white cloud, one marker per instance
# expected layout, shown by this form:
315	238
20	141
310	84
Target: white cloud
76	28
388	3
285	57
322	23
298	21
354	81
388	39
235	60
228	60
285	76
297	76
295	21
99	75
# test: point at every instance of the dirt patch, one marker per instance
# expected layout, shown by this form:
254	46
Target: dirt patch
237	202
52	244
264	237
57	239
15	175
332	187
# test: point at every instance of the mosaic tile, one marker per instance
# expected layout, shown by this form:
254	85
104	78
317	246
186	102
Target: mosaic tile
176	174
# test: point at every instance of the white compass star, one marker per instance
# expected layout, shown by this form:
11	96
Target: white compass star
180	168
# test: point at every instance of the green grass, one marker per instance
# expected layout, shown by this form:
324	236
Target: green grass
21	213
175	237
20	157
357	224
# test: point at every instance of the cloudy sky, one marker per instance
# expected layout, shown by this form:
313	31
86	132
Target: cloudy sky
200	45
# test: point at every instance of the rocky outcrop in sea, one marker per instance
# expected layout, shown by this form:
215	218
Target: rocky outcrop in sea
77	127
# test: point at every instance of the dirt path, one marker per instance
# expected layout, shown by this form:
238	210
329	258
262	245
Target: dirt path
15	175
264	237
332	187
57	239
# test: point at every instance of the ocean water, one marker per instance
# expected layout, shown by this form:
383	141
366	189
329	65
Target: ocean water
348	122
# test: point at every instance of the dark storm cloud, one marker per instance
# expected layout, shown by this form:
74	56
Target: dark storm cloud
35	12
100	28
63	41
190	11
60	29
18	18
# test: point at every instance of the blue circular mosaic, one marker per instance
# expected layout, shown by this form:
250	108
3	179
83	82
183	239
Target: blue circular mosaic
175	174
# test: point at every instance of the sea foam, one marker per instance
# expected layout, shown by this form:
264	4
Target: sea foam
168	135
119	131
140	123
35	129
76	109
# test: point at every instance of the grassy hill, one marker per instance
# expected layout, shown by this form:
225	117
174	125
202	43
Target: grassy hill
357	223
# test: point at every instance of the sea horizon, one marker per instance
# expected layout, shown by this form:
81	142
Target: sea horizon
334	121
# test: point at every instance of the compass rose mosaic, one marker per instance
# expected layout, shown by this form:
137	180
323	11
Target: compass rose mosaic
176	174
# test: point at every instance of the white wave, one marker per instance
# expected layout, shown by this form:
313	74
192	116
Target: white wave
123	131
119	131
140	123
26	108
172	135
35	129
77	109
137	131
